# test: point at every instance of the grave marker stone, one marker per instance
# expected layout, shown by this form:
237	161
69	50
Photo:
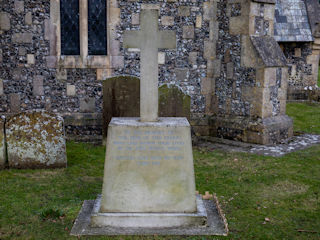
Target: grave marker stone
121	98
149	173
36	140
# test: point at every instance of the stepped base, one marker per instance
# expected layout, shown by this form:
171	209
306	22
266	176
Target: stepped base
215	223
148	220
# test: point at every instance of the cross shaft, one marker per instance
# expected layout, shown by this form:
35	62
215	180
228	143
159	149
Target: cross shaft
149	39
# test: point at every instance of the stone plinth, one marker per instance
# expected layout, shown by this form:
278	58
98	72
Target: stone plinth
149	220
149	167
36	140
216	224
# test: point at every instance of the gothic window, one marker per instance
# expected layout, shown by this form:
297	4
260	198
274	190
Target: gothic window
97	24
70	33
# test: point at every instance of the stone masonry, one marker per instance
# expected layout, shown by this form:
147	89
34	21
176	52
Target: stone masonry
226	60
297	29
35	140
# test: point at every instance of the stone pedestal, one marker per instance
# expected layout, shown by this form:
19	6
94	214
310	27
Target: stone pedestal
149	220
148	175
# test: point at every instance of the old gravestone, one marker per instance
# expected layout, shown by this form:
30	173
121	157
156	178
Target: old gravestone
149	174
173	102
36	140
121	98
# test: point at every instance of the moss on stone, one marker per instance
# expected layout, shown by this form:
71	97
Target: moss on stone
34	138
173	102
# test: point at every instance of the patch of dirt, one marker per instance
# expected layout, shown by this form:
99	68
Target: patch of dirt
283	189
40	174
91	179
310	203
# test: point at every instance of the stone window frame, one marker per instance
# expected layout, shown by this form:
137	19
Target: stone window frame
75	61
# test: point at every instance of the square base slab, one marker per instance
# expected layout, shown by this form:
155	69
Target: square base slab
216	225
148	220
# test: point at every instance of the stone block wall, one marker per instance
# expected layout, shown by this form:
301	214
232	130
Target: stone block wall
184	67
298	31
249	75
215	63
30	78
303	59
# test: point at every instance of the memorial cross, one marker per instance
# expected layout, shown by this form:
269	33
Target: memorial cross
149	39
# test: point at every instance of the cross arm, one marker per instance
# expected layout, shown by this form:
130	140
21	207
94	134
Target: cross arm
167	39
131	39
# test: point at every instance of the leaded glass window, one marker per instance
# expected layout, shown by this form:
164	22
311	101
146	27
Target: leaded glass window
70	33
97	27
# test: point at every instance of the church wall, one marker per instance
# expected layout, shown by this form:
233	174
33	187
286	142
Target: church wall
184	67
303	60
210	64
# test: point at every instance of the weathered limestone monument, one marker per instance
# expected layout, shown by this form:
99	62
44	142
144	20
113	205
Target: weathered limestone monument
35	140
149	164
149	175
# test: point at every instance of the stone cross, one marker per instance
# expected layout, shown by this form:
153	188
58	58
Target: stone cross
149	39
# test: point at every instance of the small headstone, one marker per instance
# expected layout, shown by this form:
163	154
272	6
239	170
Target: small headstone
173	102
2	145
36	140
121	98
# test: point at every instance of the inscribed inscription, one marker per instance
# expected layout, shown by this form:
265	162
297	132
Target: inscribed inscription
149	167
151	144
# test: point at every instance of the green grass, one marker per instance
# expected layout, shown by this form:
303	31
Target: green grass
42	204
306	117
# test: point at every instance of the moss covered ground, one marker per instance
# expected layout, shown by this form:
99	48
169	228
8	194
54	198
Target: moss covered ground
262	197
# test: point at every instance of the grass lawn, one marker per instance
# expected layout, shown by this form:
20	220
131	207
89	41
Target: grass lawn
263	197
306	117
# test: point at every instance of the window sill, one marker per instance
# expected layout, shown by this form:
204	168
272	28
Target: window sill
78	62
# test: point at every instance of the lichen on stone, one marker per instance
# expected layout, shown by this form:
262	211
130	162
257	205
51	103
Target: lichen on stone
35	139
